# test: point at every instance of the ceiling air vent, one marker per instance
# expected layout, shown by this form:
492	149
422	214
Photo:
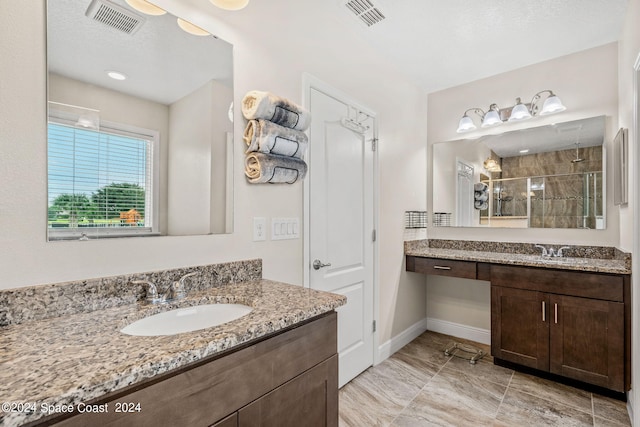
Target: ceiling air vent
114	16
365	11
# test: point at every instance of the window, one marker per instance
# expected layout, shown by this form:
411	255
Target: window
100	182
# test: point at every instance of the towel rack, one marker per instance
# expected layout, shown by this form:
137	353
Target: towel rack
415	219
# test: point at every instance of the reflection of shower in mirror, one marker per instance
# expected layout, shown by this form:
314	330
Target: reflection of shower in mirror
577	159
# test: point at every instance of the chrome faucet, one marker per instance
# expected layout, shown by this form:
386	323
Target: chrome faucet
176	289
175	292
152	292
544	250
551	252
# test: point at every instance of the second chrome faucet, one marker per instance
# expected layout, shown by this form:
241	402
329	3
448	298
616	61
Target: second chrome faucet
175	292
550	252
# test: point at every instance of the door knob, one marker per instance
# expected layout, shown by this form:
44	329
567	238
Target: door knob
317	264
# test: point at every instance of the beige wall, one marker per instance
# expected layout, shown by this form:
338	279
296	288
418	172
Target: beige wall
197	159
587	90
629	53
267	58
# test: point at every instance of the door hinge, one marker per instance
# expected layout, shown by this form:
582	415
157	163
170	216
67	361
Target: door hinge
374	144
373	235
374	326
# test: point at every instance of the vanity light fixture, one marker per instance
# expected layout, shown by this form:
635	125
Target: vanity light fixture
146	7
466	124
191	28
491	165
520	111
492	117
230	4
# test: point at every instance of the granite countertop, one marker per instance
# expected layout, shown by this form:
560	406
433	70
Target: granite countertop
78	357
583	263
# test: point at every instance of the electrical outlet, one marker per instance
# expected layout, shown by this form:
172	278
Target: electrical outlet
259	229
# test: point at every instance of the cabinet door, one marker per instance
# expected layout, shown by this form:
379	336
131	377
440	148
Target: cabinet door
587	340
310	400
520	326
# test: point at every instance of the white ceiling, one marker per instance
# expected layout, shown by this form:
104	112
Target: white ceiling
162	63
560	136
436	44
440	44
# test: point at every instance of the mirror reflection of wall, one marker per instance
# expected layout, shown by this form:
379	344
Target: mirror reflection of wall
546	177
175	96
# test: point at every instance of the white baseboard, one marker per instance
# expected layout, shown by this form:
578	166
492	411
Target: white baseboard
482	336
400	340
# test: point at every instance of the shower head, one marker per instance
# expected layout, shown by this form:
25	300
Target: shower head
577	159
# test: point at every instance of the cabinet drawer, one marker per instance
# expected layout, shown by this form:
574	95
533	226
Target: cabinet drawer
442	267
563	282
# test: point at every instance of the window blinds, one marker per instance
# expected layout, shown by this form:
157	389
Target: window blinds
98	180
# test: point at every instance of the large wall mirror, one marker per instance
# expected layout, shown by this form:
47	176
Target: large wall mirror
545	177
139	124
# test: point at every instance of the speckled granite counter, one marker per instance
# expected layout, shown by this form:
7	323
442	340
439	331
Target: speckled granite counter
582	258
77	357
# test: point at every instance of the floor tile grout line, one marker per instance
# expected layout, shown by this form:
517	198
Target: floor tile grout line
504	395
421	390
584	411
593	410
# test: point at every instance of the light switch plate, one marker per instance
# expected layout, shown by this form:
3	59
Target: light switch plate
285	228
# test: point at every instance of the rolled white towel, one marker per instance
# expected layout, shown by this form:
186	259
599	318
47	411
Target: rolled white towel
480	186
481	206
481	196
264	105
266	137
272	168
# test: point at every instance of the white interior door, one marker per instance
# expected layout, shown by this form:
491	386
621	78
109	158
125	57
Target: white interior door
341	221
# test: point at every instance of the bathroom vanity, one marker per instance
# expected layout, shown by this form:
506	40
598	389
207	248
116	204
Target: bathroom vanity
64	360
288	379
565	316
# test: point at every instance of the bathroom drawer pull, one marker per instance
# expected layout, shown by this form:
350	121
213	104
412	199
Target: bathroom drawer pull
555	310
441	267
544	310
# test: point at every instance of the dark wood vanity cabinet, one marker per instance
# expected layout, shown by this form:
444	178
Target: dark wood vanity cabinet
575	324
288	379
572	324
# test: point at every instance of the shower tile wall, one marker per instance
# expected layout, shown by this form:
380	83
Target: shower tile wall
561	203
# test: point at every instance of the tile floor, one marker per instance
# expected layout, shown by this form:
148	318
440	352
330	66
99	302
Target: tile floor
420	386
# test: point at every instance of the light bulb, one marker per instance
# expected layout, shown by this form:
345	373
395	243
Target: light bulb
230	4
519	112
552	105
492	118
191	28
146	7
466	124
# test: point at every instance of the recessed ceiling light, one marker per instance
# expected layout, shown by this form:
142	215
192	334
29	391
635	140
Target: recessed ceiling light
525	151
146	7
191	28
116	75
230	4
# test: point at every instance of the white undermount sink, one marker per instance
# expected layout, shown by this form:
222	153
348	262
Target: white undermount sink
186	319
